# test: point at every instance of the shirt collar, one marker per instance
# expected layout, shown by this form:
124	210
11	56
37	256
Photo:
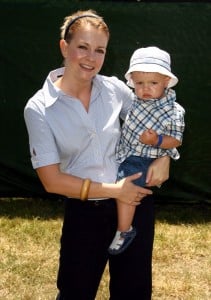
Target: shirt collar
52	93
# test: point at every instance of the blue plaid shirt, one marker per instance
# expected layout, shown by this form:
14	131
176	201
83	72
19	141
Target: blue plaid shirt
163	115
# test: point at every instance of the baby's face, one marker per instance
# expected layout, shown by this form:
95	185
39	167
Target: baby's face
149	85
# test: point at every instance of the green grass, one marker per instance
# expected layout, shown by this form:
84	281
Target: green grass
29	246
182	253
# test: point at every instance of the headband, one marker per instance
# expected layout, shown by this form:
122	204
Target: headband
73	21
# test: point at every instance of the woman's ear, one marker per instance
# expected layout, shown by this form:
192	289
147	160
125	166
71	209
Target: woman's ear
63	47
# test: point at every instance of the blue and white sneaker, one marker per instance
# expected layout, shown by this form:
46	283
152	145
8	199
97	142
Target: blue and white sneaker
121	241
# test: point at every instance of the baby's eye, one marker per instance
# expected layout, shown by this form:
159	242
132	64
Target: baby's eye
82	47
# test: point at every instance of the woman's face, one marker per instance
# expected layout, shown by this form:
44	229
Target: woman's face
85	53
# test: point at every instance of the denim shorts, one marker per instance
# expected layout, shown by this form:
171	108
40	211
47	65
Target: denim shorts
132	165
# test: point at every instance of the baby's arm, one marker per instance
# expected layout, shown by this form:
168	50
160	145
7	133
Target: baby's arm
150	137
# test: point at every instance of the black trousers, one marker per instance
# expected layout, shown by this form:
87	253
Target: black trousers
88	230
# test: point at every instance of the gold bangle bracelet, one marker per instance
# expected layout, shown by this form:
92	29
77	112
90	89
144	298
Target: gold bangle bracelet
85	189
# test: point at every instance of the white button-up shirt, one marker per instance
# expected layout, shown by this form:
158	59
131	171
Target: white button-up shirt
62	131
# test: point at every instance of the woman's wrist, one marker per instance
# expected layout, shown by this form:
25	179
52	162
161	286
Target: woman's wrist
103	190
84	192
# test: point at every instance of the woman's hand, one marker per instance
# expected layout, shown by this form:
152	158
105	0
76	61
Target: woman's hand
129	193
158	171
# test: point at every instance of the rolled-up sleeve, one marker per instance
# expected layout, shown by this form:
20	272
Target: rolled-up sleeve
42	145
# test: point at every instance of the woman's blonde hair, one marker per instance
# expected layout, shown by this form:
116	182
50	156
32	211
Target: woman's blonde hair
80	19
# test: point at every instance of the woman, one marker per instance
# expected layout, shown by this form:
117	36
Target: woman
73	126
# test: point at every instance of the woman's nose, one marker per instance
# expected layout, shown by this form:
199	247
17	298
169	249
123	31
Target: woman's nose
91	55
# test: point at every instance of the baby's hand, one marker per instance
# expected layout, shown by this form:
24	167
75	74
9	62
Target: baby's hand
149	137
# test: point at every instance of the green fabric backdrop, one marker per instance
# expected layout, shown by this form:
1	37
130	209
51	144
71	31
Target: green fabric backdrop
29	32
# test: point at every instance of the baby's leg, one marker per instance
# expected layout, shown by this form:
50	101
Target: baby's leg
125	232
125	215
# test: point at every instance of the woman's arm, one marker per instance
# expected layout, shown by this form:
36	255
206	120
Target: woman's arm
54	181
158	171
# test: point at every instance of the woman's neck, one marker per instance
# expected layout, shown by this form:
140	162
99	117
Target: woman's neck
79	90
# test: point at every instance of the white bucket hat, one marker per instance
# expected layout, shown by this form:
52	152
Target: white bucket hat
151	59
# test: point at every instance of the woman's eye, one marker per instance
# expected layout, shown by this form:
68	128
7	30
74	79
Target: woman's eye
101	51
